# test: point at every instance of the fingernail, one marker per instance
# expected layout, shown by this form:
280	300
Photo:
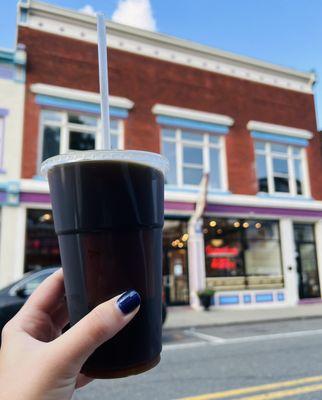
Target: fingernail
128	301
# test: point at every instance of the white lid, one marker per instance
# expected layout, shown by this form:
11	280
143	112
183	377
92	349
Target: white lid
153	160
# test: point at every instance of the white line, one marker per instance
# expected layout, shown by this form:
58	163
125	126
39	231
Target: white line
218	341
207	338
181	346
274	336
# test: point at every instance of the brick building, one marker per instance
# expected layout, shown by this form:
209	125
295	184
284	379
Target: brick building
250	124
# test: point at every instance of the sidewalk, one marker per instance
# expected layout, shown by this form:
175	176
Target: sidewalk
184	317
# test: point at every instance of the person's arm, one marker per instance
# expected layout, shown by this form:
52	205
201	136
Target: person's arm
37	362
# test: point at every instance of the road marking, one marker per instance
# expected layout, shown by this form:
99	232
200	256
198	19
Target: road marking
181	346
207	338
219	341
270	386
273	336
285	393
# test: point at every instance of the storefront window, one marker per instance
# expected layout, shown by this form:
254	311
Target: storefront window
42	248
242	253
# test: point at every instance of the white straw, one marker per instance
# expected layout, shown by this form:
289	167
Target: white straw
103	78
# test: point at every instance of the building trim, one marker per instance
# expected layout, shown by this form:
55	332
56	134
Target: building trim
4	112
189	114
279	130
190	124
79	95
77	25
74	105
269	137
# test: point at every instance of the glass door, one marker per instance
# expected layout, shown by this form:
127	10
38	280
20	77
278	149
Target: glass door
309	285
175	262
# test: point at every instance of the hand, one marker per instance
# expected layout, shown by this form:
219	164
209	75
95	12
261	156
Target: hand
37	362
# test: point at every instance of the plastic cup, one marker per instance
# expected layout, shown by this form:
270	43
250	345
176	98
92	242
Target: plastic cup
108	214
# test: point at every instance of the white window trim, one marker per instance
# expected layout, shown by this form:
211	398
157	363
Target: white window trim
270	155
205	145
187	113
65	128
279	130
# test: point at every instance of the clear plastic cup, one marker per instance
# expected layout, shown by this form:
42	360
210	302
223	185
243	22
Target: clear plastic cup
108	214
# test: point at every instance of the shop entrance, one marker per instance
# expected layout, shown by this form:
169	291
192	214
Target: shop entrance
309	285
42	248
175	262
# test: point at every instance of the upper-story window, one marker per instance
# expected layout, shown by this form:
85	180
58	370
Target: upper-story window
63	131
191	154
280	168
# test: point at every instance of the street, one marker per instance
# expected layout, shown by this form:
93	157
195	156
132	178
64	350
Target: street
263	361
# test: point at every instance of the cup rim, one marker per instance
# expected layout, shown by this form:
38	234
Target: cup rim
147	158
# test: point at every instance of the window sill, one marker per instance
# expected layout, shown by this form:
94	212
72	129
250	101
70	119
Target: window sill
191	189
284	197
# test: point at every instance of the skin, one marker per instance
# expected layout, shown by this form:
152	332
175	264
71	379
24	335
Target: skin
37	361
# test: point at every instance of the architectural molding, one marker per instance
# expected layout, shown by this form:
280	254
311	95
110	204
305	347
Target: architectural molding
79	95
186	113
279	129
68	23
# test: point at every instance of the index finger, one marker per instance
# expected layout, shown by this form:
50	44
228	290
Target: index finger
48	295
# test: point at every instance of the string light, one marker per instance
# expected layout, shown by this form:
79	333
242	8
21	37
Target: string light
219	231
245	225
180	245
236	224
185	237
212	223
258	225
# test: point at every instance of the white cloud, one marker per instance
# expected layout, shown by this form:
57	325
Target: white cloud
88	9
137	13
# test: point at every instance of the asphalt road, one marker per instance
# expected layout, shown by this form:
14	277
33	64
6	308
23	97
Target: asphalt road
286	357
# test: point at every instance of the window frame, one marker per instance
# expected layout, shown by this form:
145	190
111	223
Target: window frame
66	127
205	145
270	155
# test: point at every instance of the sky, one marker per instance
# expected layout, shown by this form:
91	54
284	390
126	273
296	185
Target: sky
284	32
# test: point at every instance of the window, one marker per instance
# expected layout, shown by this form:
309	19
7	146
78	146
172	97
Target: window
280	168
246	252
63	131
191	154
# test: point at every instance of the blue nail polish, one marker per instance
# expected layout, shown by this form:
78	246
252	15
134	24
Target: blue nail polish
129	301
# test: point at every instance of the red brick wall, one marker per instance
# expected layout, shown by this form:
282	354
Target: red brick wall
72	63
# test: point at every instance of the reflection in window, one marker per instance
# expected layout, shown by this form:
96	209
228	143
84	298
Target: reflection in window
191	154
279	168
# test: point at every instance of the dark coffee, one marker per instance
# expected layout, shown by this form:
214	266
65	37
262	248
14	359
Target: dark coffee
109	216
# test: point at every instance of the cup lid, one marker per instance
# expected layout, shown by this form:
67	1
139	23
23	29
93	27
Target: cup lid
147	158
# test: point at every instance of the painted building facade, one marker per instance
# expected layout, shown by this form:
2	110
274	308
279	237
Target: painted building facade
250	125
12	90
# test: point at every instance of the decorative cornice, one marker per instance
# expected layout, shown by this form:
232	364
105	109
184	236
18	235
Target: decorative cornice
186	113
80	95
60	21
279	129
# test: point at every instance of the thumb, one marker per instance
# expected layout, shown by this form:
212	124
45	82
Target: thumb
100	325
